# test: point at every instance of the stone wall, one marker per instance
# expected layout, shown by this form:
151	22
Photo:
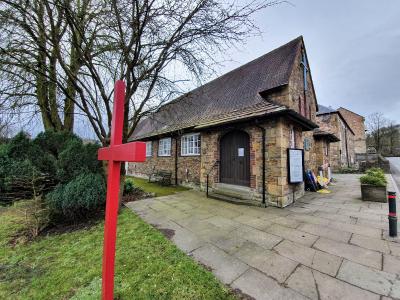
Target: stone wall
340	157
193	170
280	192
356	122
210	154
188	166
296	95
322	158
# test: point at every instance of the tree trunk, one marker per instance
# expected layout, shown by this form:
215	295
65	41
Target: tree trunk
41	80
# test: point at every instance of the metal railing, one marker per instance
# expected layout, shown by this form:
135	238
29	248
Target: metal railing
216	163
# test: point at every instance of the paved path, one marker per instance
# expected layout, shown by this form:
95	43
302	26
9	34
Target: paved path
326	246
395	169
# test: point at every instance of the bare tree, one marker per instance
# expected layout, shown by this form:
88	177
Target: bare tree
32	81
142	42
60	57
375	124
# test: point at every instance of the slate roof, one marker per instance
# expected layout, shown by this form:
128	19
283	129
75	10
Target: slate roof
233	96
318	133
324	110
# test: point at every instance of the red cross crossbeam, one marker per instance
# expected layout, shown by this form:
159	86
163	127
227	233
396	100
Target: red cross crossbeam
124	152
115	154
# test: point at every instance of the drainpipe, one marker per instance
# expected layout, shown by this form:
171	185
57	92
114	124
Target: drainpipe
263	163
176	160
347	150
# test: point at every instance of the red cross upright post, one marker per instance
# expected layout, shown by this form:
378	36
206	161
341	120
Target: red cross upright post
115	154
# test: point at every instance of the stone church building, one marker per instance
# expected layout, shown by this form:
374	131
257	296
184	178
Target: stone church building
342	152
357	124
233	133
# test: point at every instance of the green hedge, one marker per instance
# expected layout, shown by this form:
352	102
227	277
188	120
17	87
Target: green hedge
58	166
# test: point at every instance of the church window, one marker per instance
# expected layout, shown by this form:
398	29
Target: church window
304	66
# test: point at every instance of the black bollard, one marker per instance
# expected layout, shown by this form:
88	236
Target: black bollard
392	214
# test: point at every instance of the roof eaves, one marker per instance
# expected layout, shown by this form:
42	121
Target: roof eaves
306	123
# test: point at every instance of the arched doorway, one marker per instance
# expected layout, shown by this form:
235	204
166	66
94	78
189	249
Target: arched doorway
235	158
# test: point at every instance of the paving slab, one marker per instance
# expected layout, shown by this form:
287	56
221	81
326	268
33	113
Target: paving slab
291	234
261	238
331	246
186	240
259	286
391	264
394	248
361	230
353	253
370	243
252	221
302	281
266	261
369	279
226	267
224	223
288	222
332	288
324	231
308	219
230	244
324	262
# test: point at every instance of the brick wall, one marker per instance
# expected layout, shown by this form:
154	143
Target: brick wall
338	153
188	166
356	122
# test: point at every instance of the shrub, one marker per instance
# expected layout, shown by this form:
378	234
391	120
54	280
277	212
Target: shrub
374	176
78	199
36	217
54	142
130	188
348	170
76	159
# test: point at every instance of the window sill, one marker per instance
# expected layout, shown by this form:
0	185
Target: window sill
188	155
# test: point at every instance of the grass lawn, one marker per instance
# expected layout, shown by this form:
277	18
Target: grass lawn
68	265
151	187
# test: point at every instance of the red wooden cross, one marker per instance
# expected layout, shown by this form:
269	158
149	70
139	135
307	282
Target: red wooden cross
115	154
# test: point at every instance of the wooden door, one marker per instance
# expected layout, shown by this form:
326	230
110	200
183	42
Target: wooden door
235	158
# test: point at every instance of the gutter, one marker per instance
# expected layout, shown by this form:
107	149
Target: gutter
176	160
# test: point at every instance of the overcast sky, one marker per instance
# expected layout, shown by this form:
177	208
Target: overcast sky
353	49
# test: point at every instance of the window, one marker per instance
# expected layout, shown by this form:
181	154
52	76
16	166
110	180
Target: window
190	144
164	147
326	148
304	66
149	149
292	137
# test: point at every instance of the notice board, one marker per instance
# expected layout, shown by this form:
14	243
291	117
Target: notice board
295	165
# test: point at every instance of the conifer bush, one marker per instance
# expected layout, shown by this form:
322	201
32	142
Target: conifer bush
374	176
56	166
78	199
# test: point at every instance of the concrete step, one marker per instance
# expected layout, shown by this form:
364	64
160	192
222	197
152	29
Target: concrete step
233	199
233	191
